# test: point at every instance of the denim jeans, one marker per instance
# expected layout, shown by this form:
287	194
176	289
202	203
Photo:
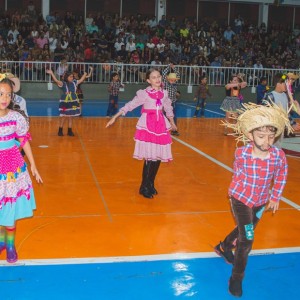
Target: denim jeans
200	107
112	105
174	112
242	235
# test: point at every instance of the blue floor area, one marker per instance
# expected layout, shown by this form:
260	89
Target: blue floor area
96	108
274	276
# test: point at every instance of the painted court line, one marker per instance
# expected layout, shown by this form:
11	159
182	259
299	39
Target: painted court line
287	201
141	258
211	111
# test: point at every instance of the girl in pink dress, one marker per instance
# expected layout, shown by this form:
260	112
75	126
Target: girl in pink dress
152	136
16	192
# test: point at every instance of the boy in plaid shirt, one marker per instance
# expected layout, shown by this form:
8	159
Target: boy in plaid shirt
113	90
258	167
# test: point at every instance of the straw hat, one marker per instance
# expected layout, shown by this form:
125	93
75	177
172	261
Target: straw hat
253	116
292	76
13	78
172	77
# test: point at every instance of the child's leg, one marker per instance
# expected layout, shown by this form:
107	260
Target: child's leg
115	109
61	125
202	106
227	119
197	107
11	254
110	106
70	123
2	238
245	225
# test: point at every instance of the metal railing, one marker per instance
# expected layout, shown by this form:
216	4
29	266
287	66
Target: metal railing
35	71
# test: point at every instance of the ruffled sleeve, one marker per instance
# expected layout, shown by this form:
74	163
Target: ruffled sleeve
138	100
167	103
22	128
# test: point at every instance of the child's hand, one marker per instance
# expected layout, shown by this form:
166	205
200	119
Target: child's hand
110	122
173	127
36	174
273	205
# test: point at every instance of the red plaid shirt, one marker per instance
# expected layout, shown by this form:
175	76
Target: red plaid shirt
253	177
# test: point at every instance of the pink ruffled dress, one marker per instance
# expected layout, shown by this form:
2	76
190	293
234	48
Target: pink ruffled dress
16	193
152	137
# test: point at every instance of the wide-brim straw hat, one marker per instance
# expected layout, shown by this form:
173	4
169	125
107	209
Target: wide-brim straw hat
292	76
253	116
14	79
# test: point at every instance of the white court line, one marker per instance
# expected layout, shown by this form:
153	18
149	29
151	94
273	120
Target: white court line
140	258
287	201
212	111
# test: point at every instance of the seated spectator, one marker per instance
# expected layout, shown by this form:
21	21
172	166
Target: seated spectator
123	53
118	44
59	53
152	23
228	35
88	21
41	40
216	75
130	46
92	28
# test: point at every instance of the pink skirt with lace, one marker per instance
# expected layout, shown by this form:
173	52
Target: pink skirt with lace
152	137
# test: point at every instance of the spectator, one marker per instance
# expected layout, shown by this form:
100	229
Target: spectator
228	35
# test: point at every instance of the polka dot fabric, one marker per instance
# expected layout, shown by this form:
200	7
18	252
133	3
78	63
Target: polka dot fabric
16	193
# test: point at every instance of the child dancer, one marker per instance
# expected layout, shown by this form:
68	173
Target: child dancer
17	199
113	90
232	102
69	102
79	91
152	137
259	167
201	96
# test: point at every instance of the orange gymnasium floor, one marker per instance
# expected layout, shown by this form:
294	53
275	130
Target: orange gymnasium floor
89	212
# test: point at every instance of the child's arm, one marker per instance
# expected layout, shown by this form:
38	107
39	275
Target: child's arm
90	72
113	119
58	82
34	171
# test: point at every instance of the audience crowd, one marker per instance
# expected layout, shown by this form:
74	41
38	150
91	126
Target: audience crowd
106	38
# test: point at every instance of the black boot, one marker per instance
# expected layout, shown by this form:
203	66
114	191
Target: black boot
153	171
60	131
145	186
70	132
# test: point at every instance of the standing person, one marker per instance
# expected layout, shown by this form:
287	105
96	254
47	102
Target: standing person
69	103
113	90
232	102
152	137
259	167
201	96
79	91
280	97
170	77
20	103
17	199
261	90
